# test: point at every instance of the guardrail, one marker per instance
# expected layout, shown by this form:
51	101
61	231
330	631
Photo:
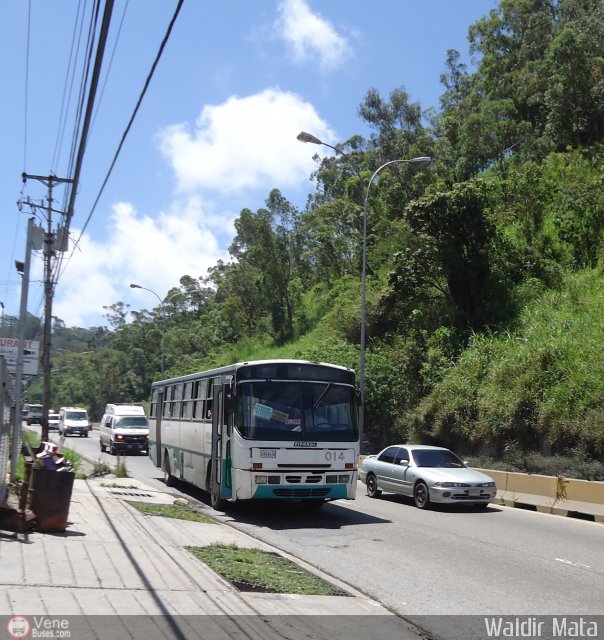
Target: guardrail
550	494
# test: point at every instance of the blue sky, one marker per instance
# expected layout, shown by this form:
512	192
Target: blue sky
238	80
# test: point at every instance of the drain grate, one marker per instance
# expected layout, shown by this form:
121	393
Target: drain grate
132	493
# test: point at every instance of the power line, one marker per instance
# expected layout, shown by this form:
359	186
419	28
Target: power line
26	84
70	74
117	37
89	105
80	109
127	130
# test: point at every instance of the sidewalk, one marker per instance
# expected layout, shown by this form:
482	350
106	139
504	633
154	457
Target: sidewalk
113	560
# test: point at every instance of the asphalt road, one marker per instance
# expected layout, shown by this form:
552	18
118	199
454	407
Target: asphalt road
446	561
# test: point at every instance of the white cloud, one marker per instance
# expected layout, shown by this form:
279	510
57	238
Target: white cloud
152	253
310	37
238	151
245	143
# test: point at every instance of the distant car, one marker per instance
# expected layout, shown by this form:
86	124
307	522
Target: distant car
34	414
53	421
74	420
426	474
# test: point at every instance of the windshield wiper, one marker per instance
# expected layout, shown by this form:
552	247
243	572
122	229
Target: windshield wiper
323	394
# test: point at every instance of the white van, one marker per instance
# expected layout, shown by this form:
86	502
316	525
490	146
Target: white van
124	427
73	420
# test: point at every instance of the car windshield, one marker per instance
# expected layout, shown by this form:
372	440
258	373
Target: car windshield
282	410
53	417
440	458
75	415
133	422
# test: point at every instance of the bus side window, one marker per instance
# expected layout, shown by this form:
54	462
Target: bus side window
199	393
186	401
168	402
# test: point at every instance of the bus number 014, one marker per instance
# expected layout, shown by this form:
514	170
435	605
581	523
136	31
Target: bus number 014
334	456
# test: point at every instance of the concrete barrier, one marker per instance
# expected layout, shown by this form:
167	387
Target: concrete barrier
550	494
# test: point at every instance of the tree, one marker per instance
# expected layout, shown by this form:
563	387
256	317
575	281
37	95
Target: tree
574	97
266	241
450	255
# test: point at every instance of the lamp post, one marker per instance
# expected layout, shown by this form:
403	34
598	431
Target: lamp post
418	160
307	137
163	319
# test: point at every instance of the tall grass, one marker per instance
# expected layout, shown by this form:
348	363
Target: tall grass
538	387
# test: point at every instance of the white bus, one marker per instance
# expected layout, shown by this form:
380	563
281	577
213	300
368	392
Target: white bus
270	429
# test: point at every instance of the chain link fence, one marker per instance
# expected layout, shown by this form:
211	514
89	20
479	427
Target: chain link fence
5	427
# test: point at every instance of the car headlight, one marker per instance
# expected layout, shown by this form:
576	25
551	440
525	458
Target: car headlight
451	484
486	484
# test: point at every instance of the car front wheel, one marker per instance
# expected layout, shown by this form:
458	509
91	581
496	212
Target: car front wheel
372	486
421	495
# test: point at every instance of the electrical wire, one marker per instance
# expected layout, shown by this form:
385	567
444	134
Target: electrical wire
94	81
69	80
117	38
26	84
72	165
8	282
81	101
127	130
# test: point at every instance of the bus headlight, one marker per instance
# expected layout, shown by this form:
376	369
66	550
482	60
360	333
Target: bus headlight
344	479
260	479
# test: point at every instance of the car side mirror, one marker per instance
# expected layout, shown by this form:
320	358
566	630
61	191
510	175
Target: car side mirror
404	463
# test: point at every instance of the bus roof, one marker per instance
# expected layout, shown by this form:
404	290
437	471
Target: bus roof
234	367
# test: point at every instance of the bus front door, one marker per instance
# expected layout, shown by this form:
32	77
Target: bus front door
220	475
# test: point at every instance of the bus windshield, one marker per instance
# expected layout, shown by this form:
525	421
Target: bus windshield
280	410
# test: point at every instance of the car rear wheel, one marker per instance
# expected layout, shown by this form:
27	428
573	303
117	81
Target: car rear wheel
372	487
103	447
421	496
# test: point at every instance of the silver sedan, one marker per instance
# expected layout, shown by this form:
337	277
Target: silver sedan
426	474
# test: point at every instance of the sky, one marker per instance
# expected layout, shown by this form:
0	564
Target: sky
215	132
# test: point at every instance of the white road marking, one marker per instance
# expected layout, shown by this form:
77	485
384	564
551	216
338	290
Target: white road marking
573	564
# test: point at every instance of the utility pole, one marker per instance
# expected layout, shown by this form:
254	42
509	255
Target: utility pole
18	417
49	252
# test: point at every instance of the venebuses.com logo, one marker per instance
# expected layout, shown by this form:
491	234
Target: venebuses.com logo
38	627
18	627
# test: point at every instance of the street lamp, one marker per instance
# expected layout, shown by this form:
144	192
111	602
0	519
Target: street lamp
418	160
163	319
307	137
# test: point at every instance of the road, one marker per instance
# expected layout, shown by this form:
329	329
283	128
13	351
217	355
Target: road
445	561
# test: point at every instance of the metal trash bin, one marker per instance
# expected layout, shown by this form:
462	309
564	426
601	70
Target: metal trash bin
50	495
